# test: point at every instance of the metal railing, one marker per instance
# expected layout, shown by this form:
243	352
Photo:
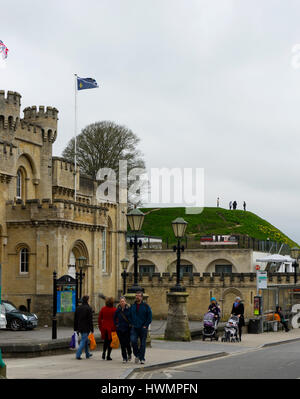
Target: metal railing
240	242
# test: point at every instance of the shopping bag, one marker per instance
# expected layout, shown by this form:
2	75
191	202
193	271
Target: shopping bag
114	340
73	341
76	340
93	345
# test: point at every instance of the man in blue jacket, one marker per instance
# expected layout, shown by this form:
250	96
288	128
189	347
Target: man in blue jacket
140	317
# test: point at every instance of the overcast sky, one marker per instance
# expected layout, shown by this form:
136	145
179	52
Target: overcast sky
204	84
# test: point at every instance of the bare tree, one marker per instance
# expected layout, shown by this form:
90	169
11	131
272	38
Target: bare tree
103	145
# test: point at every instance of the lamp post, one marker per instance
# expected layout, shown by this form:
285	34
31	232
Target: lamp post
135	219
177	328
81	261
124	274
179	226
295	254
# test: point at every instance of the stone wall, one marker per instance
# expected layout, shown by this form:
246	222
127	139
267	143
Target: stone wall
202	287
203	260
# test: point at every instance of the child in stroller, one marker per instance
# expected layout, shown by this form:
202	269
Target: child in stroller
210	323
231	330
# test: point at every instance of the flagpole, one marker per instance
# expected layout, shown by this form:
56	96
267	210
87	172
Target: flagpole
75	147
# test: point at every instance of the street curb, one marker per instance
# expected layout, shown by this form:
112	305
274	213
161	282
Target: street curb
24	350
157	366
279	342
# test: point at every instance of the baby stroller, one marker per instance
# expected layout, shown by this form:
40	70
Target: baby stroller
231	330
210	323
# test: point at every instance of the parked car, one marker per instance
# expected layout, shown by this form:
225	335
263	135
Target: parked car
18	319
2	316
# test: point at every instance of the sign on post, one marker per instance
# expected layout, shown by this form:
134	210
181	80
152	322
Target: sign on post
66	294
261	279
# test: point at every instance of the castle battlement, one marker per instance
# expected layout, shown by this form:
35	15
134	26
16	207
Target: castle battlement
61	211
211	279
12	98
31	113
9	109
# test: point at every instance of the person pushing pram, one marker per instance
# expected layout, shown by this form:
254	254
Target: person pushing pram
215	309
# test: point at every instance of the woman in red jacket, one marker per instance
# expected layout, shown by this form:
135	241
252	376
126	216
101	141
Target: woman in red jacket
106	325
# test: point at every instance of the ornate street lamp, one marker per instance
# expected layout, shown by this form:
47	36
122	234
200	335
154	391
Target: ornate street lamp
179	226
81	261
135	219
295	252
124	274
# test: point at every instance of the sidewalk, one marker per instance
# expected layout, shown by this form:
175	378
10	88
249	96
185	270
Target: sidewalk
67	367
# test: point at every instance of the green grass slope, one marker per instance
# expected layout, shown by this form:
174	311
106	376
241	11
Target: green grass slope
211	221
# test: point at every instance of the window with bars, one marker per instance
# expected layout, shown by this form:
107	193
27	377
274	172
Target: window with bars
223	268
24	260
147	269
186	269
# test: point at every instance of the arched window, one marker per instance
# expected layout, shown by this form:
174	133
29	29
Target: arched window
104	250
24	260
19	184
72	265
20	189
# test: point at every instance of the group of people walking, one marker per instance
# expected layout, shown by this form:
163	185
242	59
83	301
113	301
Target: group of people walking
131	324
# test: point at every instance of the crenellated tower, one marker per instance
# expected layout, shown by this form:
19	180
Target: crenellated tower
30	137
45	119
9	111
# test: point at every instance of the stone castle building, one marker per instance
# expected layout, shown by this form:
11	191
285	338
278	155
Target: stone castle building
42	228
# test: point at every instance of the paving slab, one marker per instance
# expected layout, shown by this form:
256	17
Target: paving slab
67	367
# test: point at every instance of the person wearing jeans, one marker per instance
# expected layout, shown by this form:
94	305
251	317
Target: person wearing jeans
140	317
83	324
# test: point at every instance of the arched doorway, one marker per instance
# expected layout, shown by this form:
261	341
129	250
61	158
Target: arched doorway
229	296
79	250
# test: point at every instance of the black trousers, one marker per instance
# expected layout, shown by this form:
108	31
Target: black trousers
106	345
124	338
284	323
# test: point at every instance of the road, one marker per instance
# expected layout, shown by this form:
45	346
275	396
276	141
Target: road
275	362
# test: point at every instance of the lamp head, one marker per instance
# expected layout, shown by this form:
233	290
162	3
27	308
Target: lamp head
135	219
179	226
124	263
295	251
81	261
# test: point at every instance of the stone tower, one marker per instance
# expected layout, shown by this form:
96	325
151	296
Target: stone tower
9	114
46	120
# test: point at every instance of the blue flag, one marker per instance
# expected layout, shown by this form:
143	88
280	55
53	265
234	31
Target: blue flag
86	83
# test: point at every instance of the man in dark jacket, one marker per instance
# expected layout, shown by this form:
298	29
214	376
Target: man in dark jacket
83	324
140	317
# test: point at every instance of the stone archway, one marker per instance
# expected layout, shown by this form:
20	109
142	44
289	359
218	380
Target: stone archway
227	300
78	250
